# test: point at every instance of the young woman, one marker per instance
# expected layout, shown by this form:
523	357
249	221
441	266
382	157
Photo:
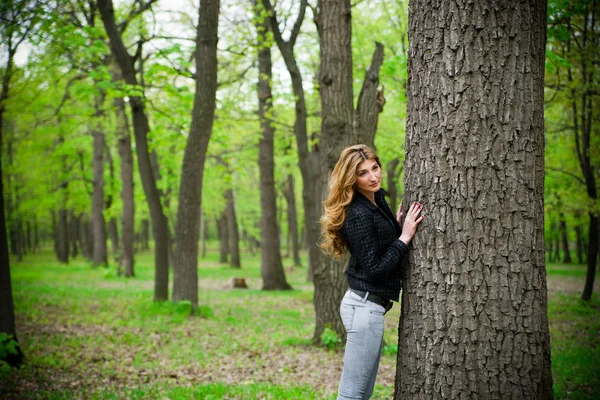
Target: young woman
358	219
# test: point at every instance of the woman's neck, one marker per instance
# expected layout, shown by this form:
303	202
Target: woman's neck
369	195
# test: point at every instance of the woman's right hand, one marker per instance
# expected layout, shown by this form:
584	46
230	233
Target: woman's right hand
411	221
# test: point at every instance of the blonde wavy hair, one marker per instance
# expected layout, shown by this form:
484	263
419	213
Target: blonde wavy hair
341	192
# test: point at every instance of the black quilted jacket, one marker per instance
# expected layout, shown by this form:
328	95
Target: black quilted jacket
371	233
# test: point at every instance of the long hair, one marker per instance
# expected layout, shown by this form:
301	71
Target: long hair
341	192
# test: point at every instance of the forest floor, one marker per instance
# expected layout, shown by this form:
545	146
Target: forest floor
90	334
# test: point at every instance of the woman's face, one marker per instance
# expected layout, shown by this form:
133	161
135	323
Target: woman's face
368	176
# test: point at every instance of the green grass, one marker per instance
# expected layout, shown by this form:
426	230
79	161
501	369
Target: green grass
88	333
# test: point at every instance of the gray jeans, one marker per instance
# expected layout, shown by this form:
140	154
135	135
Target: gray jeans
363	321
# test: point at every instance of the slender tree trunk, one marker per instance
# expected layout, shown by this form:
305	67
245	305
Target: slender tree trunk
98	223
127	188
474	318
550	244
232	228
290	196
141	129
36	236
392	190
62	236
579	245
113	232
564	239
271	269
87	241
223	238
185	282
309	160
592	256
74	226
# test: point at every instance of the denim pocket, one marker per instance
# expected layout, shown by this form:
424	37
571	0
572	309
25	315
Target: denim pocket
347	314
376	319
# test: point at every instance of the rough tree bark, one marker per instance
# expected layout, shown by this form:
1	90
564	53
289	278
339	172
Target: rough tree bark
141	128
185	280
474	320
341	126
271	269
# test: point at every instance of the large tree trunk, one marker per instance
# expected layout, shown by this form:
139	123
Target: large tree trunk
141	129
290	197
232	229
127	199
341	126
185	281
474	318
271	269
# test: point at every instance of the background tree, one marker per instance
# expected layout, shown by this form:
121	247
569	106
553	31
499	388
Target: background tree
474	316
185	280
18	19
271	265
141	128
574	46
341	126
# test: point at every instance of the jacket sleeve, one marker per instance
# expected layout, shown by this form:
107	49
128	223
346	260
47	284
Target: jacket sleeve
360	236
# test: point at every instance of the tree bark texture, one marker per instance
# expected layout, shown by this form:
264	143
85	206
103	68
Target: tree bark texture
271	269
232	229
141	128
185	281
474	322
127	194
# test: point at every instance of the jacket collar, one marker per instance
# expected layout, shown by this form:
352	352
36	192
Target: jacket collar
379	198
